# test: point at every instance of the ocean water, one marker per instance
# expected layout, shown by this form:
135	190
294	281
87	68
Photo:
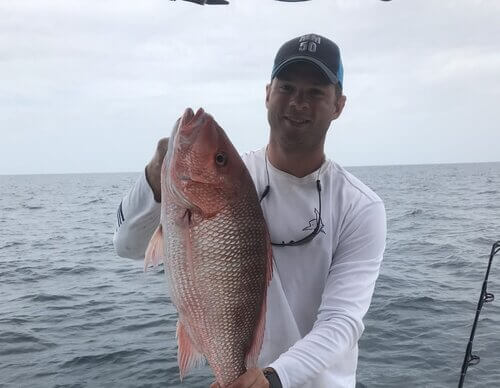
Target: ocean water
73	314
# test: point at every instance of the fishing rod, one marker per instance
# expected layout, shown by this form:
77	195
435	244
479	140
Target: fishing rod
225	2
485	297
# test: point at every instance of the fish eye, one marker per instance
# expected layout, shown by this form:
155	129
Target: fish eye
221	158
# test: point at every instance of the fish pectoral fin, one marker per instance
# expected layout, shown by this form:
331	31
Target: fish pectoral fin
155	251
190	218
188	356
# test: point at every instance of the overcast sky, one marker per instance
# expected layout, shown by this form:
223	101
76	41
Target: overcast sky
89	86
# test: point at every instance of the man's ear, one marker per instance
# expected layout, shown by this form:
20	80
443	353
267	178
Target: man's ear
268	90
339	107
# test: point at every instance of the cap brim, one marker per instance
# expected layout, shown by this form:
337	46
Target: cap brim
302	58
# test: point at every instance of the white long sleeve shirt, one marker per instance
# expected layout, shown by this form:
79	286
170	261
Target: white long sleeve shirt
321	290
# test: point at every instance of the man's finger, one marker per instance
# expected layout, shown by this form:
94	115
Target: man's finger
161	147
153	169
247	379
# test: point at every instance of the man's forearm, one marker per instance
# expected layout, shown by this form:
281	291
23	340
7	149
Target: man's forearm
346	298
137	217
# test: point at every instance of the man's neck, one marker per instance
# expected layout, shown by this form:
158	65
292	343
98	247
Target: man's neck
298	163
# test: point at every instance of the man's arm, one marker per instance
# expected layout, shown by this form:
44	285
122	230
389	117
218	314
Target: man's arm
139	212
346	298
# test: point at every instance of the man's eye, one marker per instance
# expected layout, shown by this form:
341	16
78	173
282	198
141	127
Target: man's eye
285	88
317	92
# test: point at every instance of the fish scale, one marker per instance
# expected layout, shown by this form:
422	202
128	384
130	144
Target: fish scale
217	242
213	242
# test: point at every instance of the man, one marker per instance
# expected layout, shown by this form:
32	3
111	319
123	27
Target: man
328	229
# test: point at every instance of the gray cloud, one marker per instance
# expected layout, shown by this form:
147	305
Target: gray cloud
91	86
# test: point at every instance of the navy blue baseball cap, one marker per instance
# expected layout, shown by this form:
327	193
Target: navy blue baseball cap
315	49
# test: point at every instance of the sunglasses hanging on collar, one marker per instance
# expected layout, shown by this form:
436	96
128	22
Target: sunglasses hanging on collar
319	221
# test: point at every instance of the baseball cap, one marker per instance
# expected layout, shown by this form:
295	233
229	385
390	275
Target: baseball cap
315	49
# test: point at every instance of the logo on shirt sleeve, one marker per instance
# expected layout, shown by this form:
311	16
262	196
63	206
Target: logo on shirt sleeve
119	215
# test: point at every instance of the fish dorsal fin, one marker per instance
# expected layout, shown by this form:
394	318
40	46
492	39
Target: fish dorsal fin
188	356
254	351
155	251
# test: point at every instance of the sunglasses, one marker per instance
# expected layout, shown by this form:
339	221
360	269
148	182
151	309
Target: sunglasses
319	222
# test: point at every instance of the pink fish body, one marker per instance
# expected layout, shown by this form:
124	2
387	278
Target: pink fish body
215	246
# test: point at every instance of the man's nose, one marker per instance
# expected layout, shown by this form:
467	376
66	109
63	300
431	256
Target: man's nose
299	100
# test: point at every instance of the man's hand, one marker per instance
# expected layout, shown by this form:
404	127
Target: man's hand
153	169
252	378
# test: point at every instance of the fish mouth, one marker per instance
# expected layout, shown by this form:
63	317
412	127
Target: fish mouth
187	116
183	136
190	121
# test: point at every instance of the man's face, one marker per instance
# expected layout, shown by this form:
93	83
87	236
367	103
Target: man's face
301	105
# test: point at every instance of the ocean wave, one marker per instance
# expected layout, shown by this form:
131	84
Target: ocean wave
47	374
14	321
416	303
93	201
448	261
112	357
485	241
100	310
32	207
149	324
43	297
33	348
394	217
56	238
87	325
78	270
11	244
16	337
19	343
40	244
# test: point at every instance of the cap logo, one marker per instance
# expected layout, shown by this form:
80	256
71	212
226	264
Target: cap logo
309	43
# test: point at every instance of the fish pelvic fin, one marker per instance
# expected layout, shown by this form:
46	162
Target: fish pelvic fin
188	357
155	251
256	345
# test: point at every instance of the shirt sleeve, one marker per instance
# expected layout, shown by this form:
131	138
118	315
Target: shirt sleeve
137	218
345	300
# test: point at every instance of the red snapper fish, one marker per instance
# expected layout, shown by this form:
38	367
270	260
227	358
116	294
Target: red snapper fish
215	246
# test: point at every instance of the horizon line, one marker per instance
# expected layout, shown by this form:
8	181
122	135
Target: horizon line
347	167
